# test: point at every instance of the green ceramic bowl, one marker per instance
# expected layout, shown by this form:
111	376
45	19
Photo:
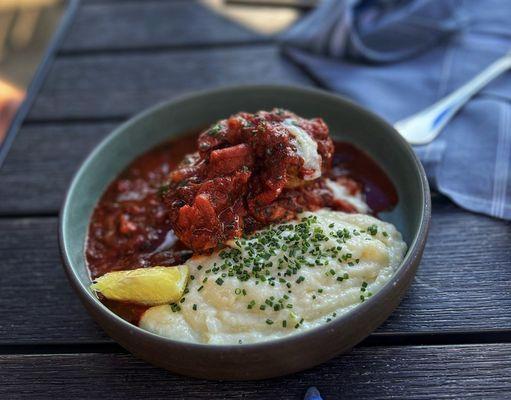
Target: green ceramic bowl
347	121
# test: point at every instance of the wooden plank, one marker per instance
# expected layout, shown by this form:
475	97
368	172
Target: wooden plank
139	25
37	303
105	86
455	289
40	165
430	372
462	284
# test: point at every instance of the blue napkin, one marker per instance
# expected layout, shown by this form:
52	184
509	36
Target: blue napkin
397	57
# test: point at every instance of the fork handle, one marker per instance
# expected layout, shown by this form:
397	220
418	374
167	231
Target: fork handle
423	127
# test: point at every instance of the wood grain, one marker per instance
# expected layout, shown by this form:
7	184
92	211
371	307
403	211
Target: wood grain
40	164
106	86
36	301
432	372
108	27
462	284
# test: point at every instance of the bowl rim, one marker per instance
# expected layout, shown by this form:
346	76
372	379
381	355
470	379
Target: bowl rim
414	250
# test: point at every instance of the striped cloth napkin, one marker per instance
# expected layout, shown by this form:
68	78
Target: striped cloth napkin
397	57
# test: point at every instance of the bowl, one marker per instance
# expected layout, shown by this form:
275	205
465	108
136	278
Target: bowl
347	121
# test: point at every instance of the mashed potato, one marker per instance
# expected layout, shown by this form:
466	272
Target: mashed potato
282	280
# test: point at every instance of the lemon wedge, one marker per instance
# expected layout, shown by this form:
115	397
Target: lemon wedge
147	286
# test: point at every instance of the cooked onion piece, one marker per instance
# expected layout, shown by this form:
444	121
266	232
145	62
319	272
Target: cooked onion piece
340	192
307	149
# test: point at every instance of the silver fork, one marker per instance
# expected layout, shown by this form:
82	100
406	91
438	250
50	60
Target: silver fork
423	127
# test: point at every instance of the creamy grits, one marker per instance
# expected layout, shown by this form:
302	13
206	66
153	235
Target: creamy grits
282	280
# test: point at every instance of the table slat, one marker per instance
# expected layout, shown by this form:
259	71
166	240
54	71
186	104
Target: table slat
37	303
108	27
40	164
432	372
106	86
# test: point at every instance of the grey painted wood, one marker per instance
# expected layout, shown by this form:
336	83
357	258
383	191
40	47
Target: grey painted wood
104	86
40	164
432	372
37	303
462	284
455	288
138	25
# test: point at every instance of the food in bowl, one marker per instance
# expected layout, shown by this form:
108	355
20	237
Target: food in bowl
259	228
307	272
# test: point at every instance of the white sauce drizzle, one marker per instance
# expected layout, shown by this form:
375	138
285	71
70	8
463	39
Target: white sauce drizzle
169	241
306	148
340	192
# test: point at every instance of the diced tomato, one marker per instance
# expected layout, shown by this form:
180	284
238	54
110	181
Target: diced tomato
230	159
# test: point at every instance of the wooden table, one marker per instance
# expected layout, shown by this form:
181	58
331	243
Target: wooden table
450	337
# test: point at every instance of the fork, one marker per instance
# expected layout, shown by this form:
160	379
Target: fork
426	125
